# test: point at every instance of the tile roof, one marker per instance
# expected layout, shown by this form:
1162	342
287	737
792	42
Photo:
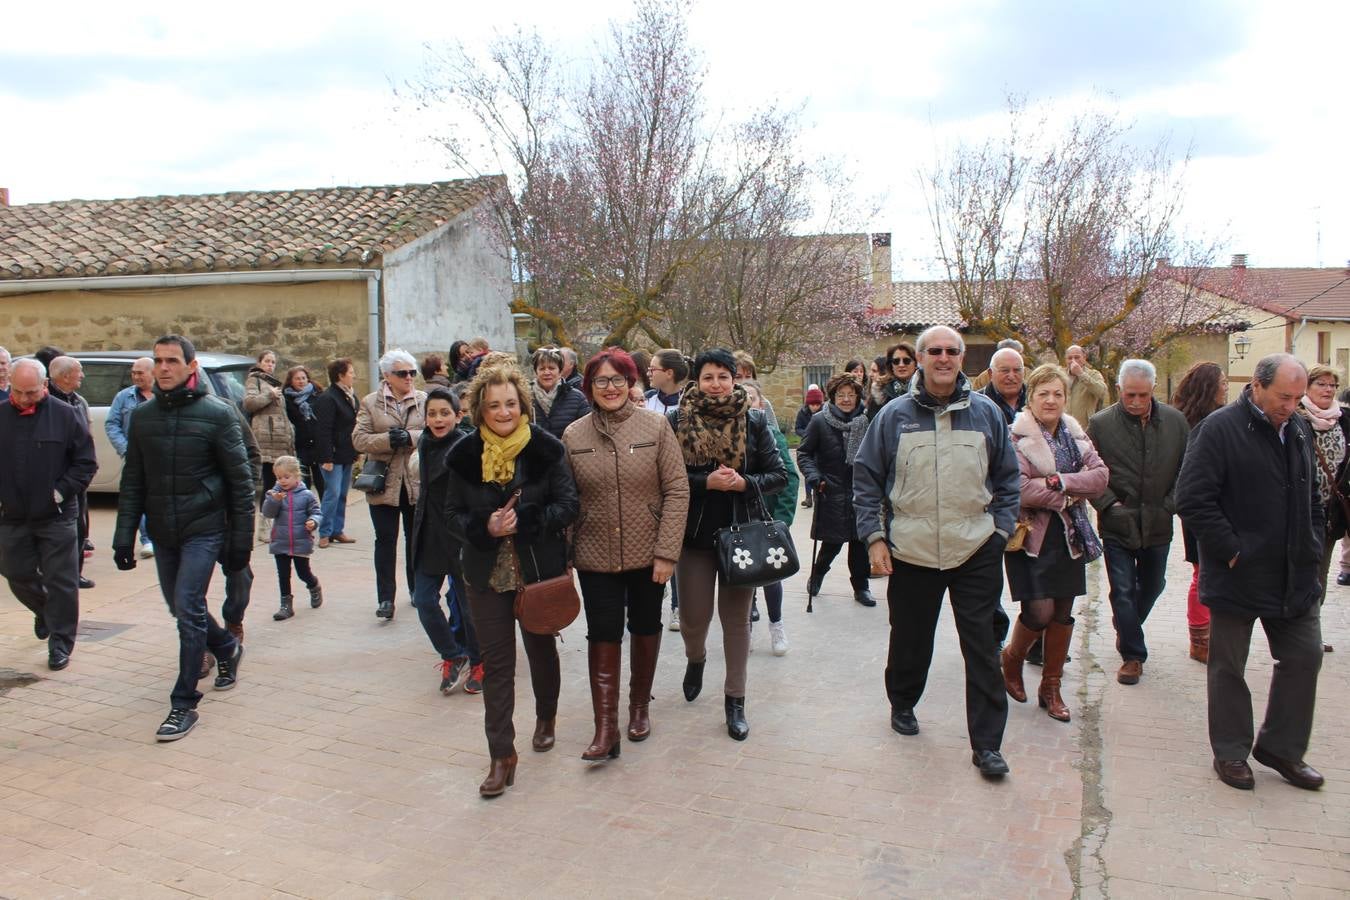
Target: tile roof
918	304
241	230
1296	293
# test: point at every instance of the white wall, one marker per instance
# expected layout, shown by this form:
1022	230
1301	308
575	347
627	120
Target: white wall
449	285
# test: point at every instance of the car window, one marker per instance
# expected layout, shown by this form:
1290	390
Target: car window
229	380
102	380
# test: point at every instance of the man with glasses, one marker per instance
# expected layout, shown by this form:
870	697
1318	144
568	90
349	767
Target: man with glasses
49	462
936	492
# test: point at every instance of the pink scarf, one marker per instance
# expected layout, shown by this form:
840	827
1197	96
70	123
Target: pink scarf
1321	419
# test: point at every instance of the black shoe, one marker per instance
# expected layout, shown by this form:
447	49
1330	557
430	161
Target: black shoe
1296	772
754	612
813	585
177	725
85	583
1035	656
904	721
316	596
737	727
693	679
40	628
385	610
57	659
1343	579
990	763
229	668
864	598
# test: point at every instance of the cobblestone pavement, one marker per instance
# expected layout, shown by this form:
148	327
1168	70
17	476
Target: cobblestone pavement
337	769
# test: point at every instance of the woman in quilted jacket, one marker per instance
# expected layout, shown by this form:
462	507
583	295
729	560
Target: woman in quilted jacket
265	405
634	498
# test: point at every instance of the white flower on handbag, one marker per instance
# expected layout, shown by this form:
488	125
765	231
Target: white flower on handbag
741	557
777	557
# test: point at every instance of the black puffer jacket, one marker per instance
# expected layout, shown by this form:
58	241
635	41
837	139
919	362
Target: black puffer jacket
435	551
548	504
187	469
568	406
821	460
1244	494
711	510
333	429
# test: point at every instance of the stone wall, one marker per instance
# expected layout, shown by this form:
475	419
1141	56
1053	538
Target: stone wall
305	323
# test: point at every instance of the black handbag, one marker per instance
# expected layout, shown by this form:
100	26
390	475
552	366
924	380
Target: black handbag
754	553
372	477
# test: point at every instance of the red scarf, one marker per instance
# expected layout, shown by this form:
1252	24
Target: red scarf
30	411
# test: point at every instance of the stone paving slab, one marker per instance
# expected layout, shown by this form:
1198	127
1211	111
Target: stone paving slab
337	769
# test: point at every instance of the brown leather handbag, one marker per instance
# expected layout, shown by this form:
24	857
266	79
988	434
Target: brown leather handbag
547	606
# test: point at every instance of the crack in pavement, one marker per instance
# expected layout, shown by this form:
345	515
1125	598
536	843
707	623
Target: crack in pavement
1086	857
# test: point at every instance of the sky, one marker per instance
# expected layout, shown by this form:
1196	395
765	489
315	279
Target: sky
107	100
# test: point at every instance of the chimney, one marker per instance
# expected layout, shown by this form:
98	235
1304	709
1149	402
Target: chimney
1239	261
881	270
4	196
1163	262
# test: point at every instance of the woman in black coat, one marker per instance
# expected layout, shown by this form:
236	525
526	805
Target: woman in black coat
728	450
335	420
825	458
556	403
504	549
300	392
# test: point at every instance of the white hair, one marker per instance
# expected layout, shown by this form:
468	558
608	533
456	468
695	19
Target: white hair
1005	352
21	364
1141	367
63	365
934	329
395	356
4	354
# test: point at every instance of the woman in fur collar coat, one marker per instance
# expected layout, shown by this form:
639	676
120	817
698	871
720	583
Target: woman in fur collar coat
1060	472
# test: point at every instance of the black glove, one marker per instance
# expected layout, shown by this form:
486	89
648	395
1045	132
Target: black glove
236	559
125	558
398	438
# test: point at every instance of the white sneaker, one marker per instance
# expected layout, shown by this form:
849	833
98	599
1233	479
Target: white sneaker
674	620
778	638
147	551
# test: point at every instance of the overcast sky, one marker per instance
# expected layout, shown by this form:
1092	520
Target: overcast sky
126	99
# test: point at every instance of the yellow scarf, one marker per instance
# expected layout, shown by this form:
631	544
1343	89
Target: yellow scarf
499	453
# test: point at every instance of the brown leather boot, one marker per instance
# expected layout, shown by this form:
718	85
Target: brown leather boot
1057	639
542	742
1014	655
603	661
643	650
1200	643
501	775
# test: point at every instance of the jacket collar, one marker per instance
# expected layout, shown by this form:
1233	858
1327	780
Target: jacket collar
960	398
466	456
1031	443
187	392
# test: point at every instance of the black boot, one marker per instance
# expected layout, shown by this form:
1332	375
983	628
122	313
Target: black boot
737	727
693	679
286	610
316	595
864	598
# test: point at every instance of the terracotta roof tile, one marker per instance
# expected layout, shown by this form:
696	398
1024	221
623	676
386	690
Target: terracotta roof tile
242	230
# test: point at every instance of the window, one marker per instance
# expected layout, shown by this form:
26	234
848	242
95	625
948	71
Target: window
102	381
1324	347
815	375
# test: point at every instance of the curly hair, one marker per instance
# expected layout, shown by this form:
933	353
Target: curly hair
487	376
843	380
1197	394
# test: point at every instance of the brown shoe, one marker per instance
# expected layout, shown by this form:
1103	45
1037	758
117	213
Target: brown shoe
1235	773
501	775
643	650
208	663
1296	772
1056	639
343	539
1014	655
1130	670
1200	643
603	664
323	542
542	741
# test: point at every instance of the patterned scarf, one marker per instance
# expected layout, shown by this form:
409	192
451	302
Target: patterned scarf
712	430
851	425
301	399
499	453
1080	535
545	398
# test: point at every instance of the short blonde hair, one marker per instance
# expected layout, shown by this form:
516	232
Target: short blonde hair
286	465
1046	372
487	376
1318	371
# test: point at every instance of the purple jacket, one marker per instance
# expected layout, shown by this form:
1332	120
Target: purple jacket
290	513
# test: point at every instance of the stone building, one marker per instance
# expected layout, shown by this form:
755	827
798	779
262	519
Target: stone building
313	274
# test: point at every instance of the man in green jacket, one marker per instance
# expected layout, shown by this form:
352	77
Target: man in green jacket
187	471
1142	442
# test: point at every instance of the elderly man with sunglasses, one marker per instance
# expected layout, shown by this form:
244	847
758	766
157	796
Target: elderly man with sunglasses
936	492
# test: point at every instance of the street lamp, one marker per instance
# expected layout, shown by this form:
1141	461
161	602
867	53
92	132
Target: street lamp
1242	344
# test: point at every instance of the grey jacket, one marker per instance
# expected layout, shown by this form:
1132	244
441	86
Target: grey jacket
1136	509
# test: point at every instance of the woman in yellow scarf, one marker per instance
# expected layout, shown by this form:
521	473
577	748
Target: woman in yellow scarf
503	548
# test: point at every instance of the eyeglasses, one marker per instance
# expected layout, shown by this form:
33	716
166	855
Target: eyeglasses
1326	384
901	360
403	373
609	381
938	351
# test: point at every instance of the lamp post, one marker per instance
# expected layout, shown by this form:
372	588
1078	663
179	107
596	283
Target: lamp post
1241	344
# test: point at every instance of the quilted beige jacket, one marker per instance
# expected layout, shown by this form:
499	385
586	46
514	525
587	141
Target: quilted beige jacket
634	492
266	409
378	413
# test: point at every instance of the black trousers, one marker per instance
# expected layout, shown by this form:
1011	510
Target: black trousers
608	595
914	595
41	562
386	521
302	569
859	566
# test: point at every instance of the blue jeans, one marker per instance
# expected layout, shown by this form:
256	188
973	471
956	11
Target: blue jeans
145	535
452	635
184	575
1137	578
334	502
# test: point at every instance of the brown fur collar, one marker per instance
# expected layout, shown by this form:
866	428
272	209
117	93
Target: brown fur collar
1030	442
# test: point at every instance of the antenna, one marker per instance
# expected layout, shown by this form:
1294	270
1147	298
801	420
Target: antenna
1317	222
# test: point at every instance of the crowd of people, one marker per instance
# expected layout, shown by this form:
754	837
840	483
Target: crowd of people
505	473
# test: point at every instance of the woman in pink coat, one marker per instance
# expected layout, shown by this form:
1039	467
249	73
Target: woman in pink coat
1060	472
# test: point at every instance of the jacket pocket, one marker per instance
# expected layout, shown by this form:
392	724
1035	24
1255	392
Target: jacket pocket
582	451
633	448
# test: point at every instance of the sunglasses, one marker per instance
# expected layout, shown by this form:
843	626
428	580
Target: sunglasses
901	360
403	373
939	351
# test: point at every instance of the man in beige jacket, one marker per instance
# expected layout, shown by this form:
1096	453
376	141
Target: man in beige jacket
1087	392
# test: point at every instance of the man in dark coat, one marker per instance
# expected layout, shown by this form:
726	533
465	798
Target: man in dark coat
1248	492
66	375
1007	382
49	461
1142	442
187	471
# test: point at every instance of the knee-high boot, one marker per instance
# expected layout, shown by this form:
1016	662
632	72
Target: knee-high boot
643	650
603	660
1057	637
1014	655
